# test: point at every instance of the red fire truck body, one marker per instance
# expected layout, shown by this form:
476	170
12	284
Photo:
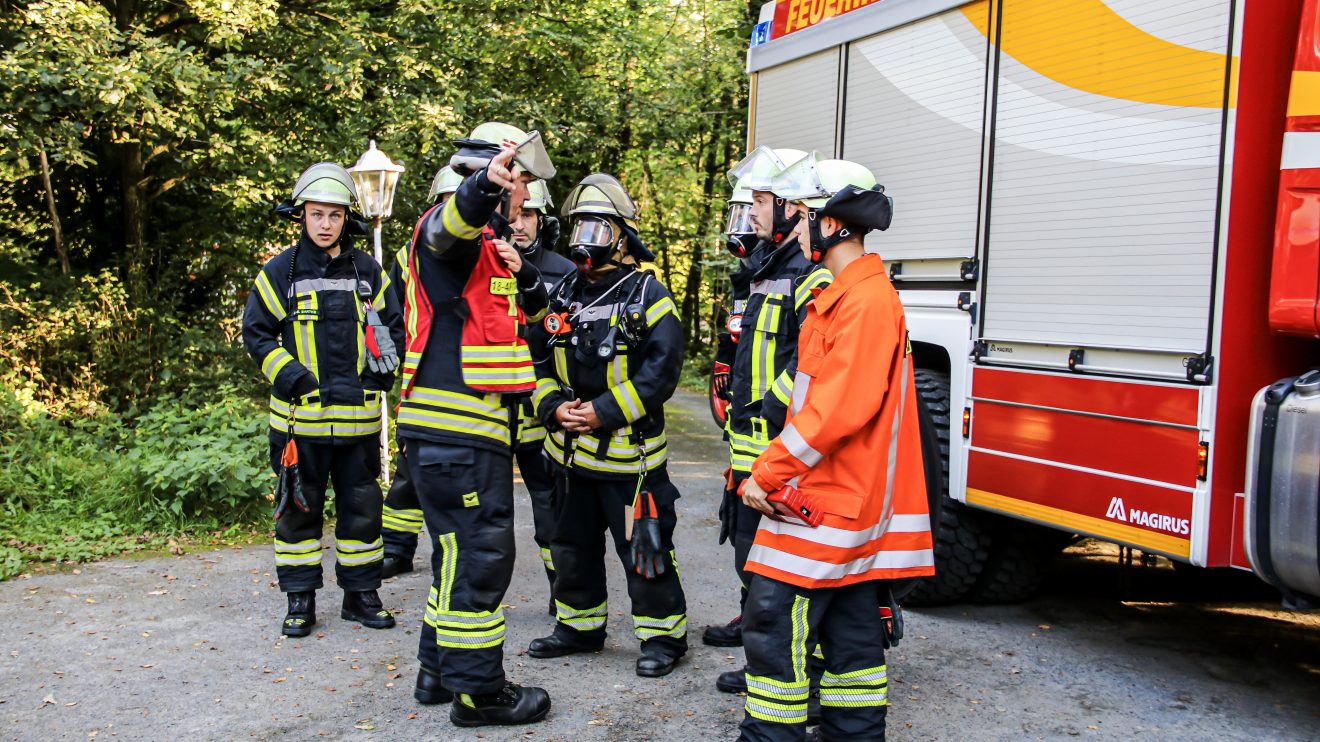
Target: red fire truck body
1107	241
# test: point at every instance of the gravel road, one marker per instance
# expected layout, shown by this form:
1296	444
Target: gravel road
188	647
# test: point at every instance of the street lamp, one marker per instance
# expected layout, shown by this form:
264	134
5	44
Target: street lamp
376	177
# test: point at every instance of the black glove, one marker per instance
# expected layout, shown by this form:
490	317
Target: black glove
289	485
891	616
728	515
648	551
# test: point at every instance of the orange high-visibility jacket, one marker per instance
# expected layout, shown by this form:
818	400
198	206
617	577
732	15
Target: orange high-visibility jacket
851	443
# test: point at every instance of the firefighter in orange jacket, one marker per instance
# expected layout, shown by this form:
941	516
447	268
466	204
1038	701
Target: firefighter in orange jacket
851	445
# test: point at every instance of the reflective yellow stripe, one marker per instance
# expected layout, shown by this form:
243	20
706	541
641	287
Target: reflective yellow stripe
454	224
448	544
582	619
404	521
629	401
274	362
818	278
645	627
561	363
516	353
547	559
855	689
621	455
357	553
300	554
269	297
782	389
544	388
378	301
316	420
658	310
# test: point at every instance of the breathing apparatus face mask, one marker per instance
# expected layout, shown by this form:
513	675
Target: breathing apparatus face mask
740	237
592	242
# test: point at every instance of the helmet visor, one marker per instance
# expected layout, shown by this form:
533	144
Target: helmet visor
757	168
739	219
801	180
532	157
593	232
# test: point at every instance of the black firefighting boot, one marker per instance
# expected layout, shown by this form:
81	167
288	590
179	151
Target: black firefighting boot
655	664
365	608
556	646
510	705
429	691
733	681
728	635
393	564
302	614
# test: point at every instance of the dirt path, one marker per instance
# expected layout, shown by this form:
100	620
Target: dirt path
188	648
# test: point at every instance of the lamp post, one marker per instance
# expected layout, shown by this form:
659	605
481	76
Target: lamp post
376	177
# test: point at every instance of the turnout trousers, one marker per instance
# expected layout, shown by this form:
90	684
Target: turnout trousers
781	623
466	496
402	517
352	469
539	477
585	508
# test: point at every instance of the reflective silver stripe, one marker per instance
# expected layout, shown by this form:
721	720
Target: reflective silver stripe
476	619
887	512
599	312
780	286
812	569
853	698
801	383
844	539
798	446
308	285
786	692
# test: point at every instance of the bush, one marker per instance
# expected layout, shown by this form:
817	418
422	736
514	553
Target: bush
80	488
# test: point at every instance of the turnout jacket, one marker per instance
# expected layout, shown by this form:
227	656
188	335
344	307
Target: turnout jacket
554	268
448	243
780	290
628	387
851	443
304	324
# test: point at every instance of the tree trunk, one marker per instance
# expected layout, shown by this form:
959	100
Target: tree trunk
134	205
54	215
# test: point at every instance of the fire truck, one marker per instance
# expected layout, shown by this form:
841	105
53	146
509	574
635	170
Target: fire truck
1107	242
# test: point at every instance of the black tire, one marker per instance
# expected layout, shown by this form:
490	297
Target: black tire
962	540
1020	560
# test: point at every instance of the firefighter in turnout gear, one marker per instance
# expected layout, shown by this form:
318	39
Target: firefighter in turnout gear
779	292
741	241
468	294
609	355
402	519
851	447
327	331
535	234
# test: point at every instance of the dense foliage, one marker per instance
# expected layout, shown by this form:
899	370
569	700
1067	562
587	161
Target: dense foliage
143	142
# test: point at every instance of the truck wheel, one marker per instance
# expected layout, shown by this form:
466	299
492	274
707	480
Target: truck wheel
961	538
1020	560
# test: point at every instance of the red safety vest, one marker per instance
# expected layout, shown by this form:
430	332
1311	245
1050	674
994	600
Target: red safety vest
493	356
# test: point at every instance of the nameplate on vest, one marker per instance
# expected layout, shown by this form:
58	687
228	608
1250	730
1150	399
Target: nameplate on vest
503	286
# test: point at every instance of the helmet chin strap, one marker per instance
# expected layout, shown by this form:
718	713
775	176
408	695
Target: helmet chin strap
820	244
782	226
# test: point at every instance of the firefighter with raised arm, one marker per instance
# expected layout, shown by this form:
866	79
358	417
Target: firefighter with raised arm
466	364
402	518
609	355
779	291
327	332
850	452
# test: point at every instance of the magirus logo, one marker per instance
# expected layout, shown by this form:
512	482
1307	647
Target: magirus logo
1168	523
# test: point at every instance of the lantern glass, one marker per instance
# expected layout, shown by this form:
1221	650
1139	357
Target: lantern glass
376	178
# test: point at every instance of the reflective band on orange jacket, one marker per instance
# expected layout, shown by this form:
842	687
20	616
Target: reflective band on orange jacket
851	443
493	356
